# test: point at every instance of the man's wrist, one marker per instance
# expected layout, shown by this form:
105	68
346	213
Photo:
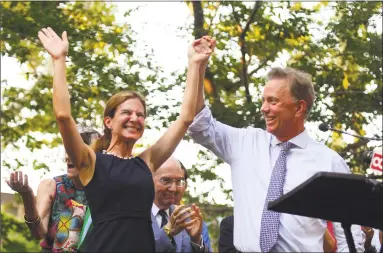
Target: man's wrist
168	231
367	243
196	239
197	244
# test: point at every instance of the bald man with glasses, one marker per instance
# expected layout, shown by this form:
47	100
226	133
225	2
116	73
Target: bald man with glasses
176	228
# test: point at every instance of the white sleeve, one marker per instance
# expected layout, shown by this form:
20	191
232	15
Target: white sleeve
223	140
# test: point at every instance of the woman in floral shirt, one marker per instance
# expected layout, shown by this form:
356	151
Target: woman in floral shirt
57	214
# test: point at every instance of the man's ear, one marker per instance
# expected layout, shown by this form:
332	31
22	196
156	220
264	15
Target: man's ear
301	108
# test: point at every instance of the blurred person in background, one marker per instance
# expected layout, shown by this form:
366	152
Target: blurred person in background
226	235
372	242
55	215
329	241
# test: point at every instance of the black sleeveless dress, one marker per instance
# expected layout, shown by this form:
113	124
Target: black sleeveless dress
120	196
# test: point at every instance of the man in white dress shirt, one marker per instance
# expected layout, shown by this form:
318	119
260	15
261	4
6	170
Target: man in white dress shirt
252	154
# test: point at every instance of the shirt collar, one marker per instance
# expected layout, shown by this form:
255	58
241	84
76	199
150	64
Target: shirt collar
155	210
300	140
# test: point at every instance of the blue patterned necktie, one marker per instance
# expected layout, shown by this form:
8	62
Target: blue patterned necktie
270	219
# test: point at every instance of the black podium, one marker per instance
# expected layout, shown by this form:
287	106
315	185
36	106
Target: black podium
345	198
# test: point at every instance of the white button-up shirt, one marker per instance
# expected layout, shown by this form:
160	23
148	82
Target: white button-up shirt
251	154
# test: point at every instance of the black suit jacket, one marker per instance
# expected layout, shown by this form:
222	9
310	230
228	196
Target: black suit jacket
226	238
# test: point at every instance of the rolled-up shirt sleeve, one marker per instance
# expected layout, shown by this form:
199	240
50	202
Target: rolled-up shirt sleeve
221	139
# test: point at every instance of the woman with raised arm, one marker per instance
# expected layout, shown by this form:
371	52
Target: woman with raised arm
118	187
56	214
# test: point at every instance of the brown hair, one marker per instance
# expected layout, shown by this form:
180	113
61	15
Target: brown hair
88	135
301	86
103	142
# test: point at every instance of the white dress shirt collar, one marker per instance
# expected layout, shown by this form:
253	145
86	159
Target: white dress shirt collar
155	210
300	140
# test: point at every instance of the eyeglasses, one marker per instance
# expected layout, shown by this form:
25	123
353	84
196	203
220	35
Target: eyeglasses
169	181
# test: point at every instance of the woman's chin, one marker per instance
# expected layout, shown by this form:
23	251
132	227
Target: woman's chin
133	137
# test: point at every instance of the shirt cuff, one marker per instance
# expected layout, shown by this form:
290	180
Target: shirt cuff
200	247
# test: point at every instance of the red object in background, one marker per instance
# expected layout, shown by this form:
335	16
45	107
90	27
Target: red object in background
376	162
330	228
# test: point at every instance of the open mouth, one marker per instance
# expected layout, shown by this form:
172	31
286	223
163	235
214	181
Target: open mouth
131	128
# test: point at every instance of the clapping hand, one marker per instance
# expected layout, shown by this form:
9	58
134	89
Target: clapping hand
194	227
57	47
178	218
188	218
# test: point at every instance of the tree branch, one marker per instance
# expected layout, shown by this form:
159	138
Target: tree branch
263	64
199	31
242	44
250	20
215	14
199	20
353	146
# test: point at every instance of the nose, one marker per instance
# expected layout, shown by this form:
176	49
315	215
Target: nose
172	187
133	117
264	108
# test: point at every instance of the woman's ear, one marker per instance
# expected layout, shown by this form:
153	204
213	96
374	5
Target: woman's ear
108	122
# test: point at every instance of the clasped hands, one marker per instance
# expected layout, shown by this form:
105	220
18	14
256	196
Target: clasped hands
188	218
201	49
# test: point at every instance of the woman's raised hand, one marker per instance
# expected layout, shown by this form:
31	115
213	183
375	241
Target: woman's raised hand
18	183
57	47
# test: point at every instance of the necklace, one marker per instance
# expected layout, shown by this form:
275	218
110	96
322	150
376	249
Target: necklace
106	153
